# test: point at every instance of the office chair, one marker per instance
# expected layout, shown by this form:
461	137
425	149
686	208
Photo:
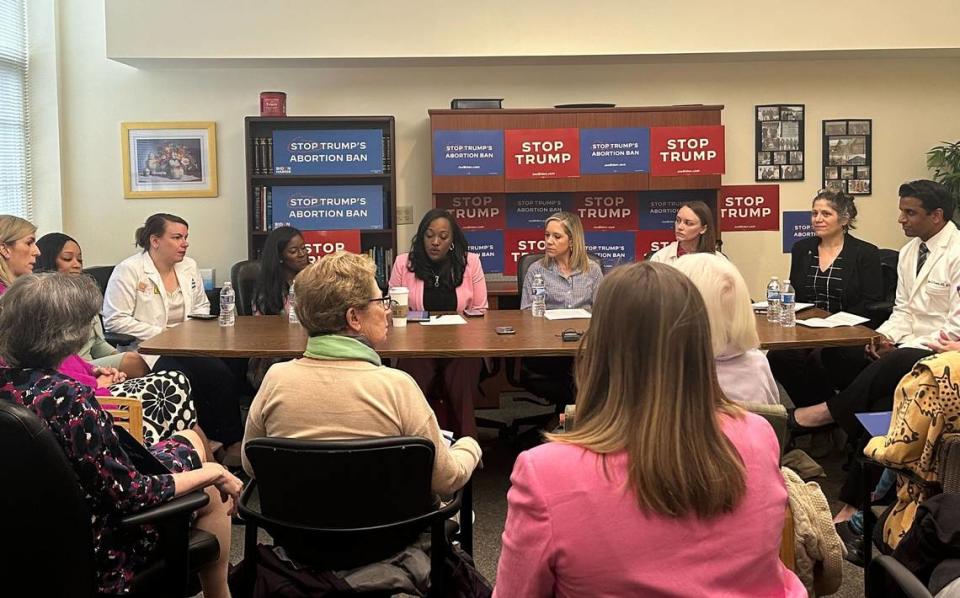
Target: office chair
351	502
101	274
44	511
879	311
244	276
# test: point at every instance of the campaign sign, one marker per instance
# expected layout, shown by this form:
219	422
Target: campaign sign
609	151
652	241
520	242
466	153
796	226
658	209
489	246
476	211
321	242
531	210
542	153
749	207
613	249
328	151
336	207
686	150
607	210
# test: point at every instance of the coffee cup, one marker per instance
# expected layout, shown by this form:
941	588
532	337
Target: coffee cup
400	296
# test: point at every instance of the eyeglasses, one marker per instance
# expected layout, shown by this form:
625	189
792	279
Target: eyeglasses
385	302
301	250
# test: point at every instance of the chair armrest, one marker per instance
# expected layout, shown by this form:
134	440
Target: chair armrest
118	339
885	569
878	311
182	505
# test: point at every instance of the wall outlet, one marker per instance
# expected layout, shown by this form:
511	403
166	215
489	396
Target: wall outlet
404	214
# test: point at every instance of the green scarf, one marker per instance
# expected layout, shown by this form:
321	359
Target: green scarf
340	348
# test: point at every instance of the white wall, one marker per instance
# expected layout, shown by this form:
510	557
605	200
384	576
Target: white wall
913	103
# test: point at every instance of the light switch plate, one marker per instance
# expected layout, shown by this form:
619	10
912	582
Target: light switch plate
404	214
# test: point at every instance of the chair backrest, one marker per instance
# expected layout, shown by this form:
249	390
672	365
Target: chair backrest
525	261
44	519
345	487
776	416
244	277
888	266
127	413
101	274
948	464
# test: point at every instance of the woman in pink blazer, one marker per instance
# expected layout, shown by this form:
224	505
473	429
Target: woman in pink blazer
664	487
442	276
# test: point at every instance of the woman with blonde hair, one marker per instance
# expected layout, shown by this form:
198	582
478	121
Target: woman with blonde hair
664	487
18	249
742	369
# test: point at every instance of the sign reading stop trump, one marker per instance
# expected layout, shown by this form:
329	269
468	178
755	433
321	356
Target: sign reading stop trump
542	153
686	150
476	211
321	242
517	243
749	207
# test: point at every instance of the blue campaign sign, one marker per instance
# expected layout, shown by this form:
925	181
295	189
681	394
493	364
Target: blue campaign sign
531	210
328	151
796	226
608	151
658	209
613	249
336	207
489	246
468	153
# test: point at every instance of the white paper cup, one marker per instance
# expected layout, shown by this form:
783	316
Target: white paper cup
401	295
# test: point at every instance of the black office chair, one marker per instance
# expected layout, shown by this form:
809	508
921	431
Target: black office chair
880	311
525	261
244	276
349	502
101	274
49	547
887	578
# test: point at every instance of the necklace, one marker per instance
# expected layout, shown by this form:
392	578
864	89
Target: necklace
436	280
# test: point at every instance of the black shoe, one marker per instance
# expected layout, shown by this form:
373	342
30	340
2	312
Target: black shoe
853	542
797	429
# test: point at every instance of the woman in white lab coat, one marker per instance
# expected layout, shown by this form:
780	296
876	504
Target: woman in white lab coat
160	287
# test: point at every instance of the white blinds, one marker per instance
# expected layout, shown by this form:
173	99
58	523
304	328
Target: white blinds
14	123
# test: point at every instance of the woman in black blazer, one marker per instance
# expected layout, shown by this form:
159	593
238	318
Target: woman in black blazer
836	272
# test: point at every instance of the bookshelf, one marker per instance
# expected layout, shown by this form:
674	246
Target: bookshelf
332	177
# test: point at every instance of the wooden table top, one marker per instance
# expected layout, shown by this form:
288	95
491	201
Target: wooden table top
272	336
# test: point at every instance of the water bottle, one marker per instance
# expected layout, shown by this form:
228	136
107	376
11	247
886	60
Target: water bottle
788	298
539	296
292	306
228	298
773	300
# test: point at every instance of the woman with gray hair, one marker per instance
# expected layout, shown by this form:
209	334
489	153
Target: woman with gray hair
339	389
60	308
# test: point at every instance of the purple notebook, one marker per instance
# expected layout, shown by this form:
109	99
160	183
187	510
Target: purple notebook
876	423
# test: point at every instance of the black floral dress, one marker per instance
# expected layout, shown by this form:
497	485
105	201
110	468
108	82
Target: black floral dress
112	485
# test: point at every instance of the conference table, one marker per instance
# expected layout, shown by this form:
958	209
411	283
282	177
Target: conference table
273	336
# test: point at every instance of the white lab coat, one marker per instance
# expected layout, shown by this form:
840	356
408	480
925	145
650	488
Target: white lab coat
929	302
135	301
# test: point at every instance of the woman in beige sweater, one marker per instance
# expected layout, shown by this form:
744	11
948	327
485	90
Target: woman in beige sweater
339	389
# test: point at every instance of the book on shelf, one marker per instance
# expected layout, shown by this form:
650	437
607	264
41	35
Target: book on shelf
262	208
256	156
387	158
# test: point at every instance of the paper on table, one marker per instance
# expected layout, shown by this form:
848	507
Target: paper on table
841	318
566	314
877	424
762	306
444	320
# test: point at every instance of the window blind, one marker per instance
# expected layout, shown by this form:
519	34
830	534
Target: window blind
14	121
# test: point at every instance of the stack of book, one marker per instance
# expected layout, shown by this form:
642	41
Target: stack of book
383	258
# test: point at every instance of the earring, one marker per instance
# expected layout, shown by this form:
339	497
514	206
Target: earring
451	247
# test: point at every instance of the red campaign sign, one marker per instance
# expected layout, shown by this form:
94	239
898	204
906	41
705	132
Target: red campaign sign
321	242
749	207
608	210
652	241
476	211
686	150
542	153
517	243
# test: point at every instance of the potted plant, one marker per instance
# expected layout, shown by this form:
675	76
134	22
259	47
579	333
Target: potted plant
944	160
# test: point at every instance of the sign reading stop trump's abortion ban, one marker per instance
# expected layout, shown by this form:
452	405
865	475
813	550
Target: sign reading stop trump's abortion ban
685	151
749	207
334	207
322	242
542	153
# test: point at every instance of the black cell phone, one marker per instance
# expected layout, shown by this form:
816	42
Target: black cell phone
505	330
202	317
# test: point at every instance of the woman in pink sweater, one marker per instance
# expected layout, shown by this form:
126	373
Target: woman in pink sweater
665	487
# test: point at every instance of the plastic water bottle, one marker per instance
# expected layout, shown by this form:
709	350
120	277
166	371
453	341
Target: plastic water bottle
773	300
228	299
292	306
539	296
788	316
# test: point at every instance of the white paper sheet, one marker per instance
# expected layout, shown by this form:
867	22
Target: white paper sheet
566	314
762	306
449	320
841	318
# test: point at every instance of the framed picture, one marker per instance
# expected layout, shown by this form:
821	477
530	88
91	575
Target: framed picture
779	142
169	159
847	155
